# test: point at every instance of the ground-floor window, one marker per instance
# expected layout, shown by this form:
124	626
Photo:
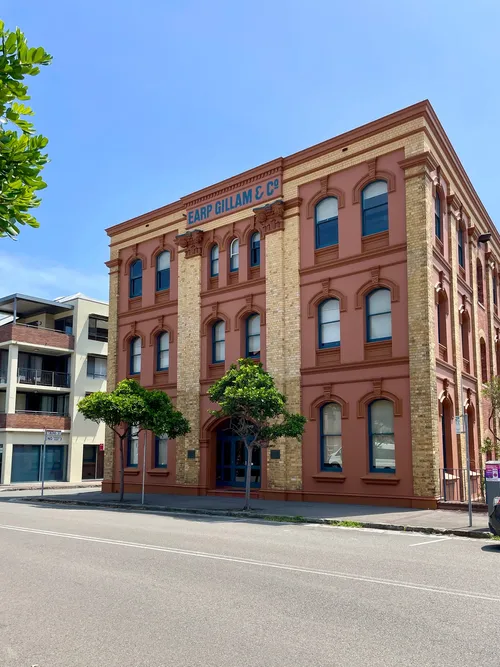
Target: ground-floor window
27	463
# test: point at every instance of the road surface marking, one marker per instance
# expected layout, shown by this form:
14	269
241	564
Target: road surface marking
258	563
441	539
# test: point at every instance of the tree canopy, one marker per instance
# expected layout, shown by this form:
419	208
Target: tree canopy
131	406
21	157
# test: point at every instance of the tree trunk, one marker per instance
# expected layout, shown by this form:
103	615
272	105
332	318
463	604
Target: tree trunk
122	471
248	475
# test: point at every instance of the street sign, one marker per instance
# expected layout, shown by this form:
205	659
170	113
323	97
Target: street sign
53	436
459	425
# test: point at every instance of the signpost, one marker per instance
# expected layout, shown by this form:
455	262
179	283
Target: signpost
462	427
144	465
48	437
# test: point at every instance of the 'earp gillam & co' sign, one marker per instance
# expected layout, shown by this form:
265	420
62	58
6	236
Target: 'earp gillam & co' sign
253	196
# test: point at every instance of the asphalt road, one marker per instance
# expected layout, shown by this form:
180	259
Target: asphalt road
83	587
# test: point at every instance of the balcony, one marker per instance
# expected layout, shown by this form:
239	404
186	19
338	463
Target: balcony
32	376
3	376
34	419
39	336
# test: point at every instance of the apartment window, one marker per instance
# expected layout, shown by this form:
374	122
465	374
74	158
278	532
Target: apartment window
163	271
437	217
484	361
465	337
461	255
218	342
4	358
214	261
135	288
253	337
375	208
135	356
441	319
234	255
64	324
96	367
381	436
378	315
133	447
327	222
480	284
98	328
495	292
329	323
255	249
331	437
163	351
161	451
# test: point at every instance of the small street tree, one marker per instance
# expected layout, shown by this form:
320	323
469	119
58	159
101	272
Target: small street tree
21	157
491	391
256	410
131	407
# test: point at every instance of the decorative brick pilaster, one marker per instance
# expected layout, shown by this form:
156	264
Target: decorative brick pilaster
114	297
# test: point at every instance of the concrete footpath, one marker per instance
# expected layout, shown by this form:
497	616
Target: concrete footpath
389	518
51	486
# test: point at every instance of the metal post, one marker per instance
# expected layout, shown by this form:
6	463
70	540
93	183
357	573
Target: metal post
467	459
43	460
144	465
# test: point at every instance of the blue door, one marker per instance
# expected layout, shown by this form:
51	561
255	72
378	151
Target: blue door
231	461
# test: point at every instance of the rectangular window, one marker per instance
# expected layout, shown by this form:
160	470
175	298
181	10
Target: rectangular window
495	290
64	324
381	433
161	451
331	438
96	367
133	448
98	328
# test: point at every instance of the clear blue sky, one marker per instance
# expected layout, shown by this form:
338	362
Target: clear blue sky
148	101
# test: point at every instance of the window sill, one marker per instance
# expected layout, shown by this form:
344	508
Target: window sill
381	478
233	277
216	370
378	349
461	272
213	282
133	376
443	352
161	377
159	472
439	244
466	365
254	272
374	241
335	477
162	295
327	254
328	356
131	471
135	302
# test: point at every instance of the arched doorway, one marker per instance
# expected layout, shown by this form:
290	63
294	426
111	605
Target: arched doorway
231	459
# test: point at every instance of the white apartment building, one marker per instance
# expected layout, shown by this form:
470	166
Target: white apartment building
52	353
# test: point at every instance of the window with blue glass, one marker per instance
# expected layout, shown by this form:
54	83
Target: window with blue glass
234	255
381	436
161	451
163	351
375	208
461	255
163	271
329	323
331	437
327	222
218	342
255	249
214	261
378	315
133	447
253	337
135	287
135	356
437	216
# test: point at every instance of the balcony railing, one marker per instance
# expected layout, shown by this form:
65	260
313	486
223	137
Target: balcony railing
453	484
43	378
42	412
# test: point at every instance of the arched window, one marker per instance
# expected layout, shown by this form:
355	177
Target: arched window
327	222
255	249
378	315
437	216
495	289
331	437
465	337
135	356
214	261
234	255
375	208
163	271
461	249
381	436
219	342
163	351
161	451
133	447
329	323
441	319
480	283
253	337
484	361
135	286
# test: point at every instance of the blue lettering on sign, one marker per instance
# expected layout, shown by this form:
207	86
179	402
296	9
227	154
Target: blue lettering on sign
240	199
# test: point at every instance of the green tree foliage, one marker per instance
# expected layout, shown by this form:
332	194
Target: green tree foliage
491	391
130	406
256	410
21	157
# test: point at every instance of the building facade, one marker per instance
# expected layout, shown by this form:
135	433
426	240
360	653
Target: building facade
52	353
358	273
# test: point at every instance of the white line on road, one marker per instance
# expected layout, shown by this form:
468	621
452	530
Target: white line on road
441	539
258	563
